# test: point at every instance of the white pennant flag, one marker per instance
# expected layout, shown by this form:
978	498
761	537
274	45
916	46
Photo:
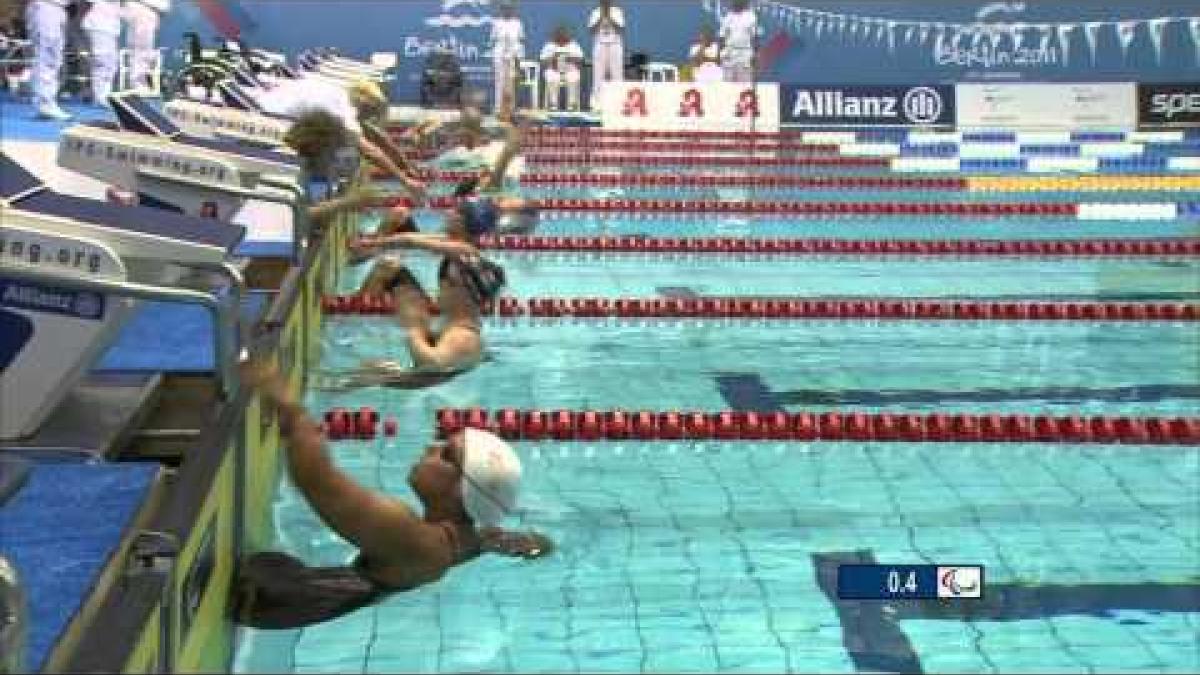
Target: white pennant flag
841	24
1017	32
1194	27
1064	40
909	33
818	27
939	38
1091	32
924	32
809	18
881	30
1157	28
995	34
1126	32
977	35
1047	33
890	27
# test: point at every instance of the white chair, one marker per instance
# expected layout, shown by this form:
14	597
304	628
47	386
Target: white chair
531	78
384	60
125	68
661	72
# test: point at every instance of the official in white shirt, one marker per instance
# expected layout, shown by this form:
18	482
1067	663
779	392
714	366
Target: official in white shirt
561	59
607	24
46	22
508	48
739	33
142	19
102	22
705	57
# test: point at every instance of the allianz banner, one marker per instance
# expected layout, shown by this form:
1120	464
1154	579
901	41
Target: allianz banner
688	106
868	105
1169	105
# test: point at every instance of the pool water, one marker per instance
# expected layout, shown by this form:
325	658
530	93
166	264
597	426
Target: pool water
715	556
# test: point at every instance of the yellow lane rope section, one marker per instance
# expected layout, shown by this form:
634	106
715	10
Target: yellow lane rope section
1082	183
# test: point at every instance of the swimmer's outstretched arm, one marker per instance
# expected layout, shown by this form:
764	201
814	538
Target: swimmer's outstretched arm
434	243
399	378
372	152
384	142
375	523
353	200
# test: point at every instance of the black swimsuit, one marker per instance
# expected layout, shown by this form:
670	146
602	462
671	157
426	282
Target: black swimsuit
482	280
277	590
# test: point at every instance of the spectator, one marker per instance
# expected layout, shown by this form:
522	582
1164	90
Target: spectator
739	33
706	58
508	48
142	19
607	24
561	59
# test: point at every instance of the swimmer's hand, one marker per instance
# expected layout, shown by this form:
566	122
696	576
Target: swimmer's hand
528	545
264	376
416	189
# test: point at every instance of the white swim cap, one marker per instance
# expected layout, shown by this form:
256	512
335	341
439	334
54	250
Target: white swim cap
491	477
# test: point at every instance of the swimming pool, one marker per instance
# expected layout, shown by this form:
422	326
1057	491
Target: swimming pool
685	556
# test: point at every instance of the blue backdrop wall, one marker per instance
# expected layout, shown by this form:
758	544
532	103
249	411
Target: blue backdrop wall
815	41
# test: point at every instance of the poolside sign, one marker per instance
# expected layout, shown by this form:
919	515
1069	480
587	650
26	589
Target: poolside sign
1047	105
869	105
712	106
1169	105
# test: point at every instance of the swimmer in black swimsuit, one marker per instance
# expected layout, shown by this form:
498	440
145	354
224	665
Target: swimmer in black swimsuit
467	485
468	286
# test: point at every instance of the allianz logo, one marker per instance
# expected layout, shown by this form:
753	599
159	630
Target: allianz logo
84	304
920	105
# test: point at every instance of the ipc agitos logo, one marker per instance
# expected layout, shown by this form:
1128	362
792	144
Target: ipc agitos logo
960	582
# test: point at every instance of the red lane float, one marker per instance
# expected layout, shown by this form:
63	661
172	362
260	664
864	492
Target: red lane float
904	247
866	308
922	183
383	304
595	425
793	208
364	424
618	146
